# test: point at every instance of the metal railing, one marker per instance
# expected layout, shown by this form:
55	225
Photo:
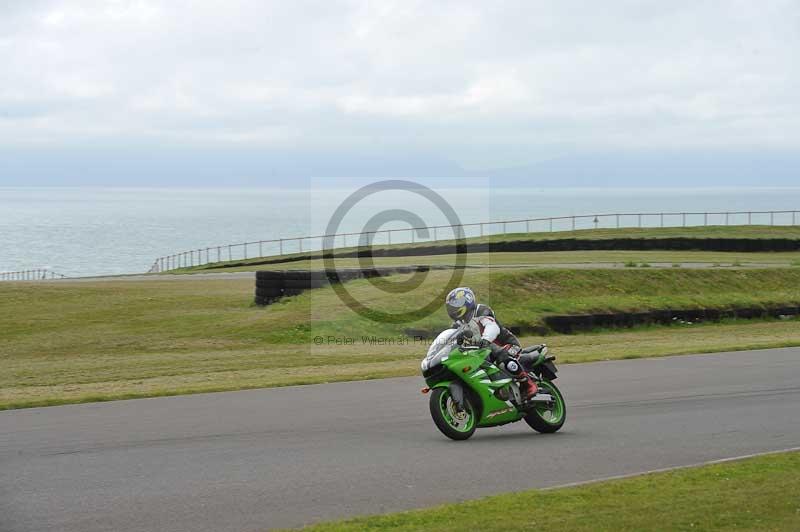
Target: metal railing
40	274
413	235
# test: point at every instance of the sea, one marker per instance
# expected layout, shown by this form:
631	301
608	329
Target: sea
110	231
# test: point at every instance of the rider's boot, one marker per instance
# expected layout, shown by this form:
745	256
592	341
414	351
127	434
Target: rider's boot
527	386
530	387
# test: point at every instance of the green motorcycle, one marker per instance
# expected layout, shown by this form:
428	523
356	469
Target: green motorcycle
468	391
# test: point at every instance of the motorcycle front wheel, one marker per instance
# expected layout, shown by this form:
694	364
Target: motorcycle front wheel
452	421
549	417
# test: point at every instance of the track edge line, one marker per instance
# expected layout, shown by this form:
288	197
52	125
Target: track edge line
669	469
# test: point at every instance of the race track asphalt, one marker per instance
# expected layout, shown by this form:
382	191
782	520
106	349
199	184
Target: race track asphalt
255	460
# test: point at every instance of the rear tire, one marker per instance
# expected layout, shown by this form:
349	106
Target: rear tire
548	419
442	411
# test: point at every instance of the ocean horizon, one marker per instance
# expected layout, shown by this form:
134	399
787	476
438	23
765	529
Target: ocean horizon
84	231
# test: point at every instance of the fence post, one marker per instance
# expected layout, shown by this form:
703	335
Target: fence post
435	234
230	255
527	226
794	213
617	221
300	241
551	225
727	218
280	244
749	218
389	233
662	219
260	248
413	235
573	223
684	218
245	251
640	221
504	227
705	218
481	229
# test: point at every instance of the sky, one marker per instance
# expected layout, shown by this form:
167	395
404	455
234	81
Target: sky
263	92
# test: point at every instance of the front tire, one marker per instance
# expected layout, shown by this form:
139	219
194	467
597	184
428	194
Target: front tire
548	418
454	423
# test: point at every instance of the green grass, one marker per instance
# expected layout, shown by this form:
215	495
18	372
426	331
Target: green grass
577	259
754	494
749	232
67	342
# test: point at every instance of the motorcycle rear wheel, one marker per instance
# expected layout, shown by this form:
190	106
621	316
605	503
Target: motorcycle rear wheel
454	423
548	418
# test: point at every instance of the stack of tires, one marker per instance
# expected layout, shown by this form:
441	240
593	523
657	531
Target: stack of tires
272	285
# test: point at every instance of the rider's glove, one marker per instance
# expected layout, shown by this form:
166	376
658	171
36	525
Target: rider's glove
484	343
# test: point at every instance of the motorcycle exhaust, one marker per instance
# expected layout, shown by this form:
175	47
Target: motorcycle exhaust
541	398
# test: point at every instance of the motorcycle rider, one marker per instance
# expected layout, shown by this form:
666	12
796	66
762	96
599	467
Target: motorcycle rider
463	308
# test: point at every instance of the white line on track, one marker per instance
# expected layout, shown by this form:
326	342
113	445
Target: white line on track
669	469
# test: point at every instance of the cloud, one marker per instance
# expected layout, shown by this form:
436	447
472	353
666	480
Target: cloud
480	83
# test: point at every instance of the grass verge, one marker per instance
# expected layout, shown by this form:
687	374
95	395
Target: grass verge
752	494
544	259
650	233
77	342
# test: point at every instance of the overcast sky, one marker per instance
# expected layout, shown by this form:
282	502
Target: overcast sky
471	85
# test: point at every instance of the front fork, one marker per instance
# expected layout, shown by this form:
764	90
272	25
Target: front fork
457	393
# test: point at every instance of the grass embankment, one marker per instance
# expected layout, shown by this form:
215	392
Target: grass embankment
544	259
754	494
310	259
65	342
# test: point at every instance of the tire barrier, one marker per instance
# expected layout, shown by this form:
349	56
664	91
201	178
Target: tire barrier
271	285
573	323
742	245
585	322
